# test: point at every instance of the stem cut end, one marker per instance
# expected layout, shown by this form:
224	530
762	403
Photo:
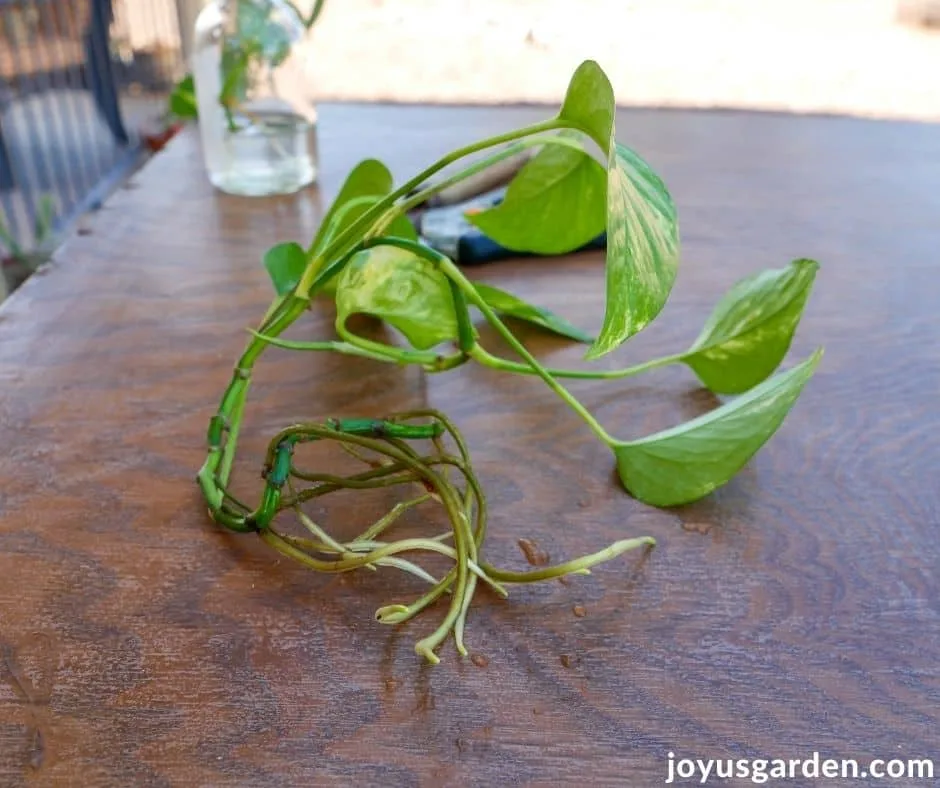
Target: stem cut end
392	614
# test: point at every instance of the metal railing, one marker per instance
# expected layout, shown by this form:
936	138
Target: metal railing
82	83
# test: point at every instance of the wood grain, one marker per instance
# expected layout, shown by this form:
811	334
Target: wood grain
795	610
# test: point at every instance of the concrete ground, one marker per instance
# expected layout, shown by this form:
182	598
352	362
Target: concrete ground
833	56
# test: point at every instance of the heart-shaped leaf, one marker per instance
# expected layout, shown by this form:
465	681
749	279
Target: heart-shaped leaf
589	104
642	248
554	205
369	178
687	462
642	234
751	328
512	306
286	263
401	227
366	184
402	289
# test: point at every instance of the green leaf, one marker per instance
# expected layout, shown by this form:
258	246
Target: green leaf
687	462
402	227
368	178
285	263
513	306
589	104
642	234
642	248
183	99
751	328
402	289
367	183
554	205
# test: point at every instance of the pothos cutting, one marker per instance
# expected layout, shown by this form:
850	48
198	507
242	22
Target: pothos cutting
367	256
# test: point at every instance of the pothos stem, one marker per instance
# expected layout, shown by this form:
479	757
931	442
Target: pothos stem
389	441
481	356
508	152
469	292
464	506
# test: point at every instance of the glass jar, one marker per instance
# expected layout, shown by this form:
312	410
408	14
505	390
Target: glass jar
257	116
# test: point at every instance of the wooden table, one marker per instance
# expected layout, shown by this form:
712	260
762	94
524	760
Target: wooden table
795	610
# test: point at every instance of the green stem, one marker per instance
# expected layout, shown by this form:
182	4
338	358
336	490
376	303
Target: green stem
213	476
463	538
576	566
404	565
335	221
398	614
390	517
360	546
320	534
337	347
228	453
273	311
508	152
290	310
473	296
481	356
467	150
461	621
379	475
337	250
453	273
387	352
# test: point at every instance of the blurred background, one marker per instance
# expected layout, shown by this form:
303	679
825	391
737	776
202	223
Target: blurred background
84	83
862	57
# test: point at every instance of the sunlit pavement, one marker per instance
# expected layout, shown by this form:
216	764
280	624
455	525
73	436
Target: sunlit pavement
840	56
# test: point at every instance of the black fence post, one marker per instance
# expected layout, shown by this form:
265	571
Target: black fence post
99	69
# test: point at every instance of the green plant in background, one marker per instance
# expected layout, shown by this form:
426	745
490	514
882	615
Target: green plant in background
259	40
21	263
366	255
